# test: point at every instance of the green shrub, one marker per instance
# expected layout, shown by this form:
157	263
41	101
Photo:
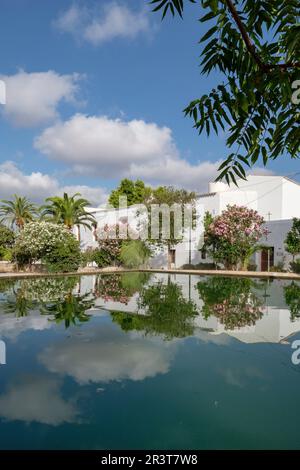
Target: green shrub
134	253
278	268
21	256
102	258
64	257
87	257
252	267
7	237
295	266
205	266
6	254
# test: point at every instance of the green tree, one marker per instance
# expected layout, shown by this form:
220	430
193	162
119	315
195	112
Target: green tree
135	191
17	212
138	193
292	241
68	210
255	47
7	238
171	197
165	312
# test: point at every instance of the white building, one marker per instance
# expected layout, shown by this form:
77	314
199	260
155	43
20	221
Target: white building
276	198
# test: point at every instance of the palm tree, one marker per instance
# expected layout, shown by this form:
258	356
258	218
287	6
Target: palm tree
19	304
71	310
68	210
17	212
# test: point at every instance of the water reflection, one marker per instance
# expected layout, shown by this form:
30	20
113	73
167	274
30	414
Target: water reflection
165	312
102	354
6	285
292	298
119	287
37	398
70	310
18	302
138	361
231	300
164	305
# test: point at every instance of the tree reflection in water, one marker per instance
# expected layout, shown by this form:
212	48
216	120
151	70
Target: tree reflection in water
231	300
120	287
50	296
292	298
63	305
163	310
71	310
18	303
6	285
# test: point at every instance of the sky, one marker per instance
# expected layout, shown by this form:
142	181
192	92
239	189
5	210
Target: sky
95	92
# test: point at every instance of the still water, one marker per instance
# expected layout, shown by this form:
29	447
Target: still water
159	361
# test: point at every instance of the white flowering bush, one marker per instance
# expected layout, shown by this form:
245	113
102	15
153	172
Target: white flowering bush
48	289
38	240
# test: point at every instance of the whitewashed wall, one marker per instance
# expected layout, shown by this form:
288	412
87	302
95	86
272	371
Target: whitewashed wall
276	198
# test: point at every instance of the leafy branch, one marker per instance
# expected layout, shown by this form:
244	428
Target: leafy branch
256	46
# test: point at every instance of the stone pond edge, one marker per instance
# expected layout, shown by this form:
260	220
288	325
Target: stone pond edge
201	272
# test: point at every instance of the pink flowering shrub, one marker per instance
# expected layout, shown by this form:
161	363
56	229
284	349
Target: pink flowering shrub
110	288
232	300
109	243
232	236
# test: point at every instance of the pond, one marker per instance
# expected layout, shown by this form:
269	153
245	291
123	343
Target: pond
149	361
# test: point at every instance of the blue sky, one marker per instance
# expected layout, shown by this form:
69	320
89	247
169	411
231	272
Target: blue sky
95	92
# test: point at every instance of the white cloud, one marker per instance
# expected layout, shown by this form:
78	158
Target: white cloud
178	172
38	186
240	377
70	20
105	354
37	399
115	148
103	144
96	196
97	27
33	98
11	326
259	171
